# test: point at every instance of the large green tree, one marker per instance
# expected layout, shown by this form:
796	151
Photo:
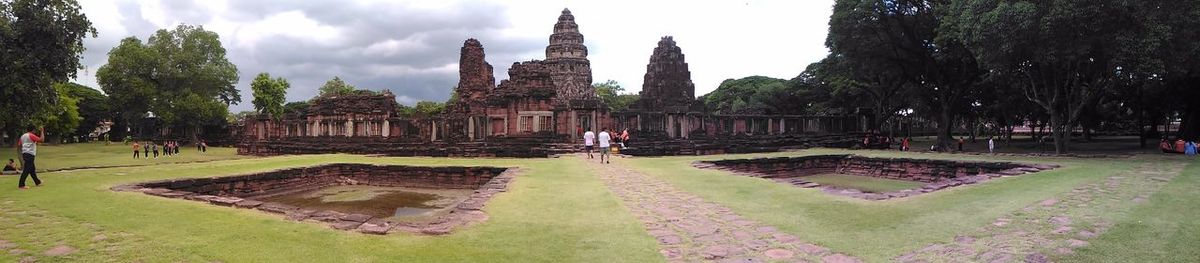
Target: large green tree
336	86
181	75
63	118
751	95
905	39
269	94
613	95
93	107
1065	53
41	42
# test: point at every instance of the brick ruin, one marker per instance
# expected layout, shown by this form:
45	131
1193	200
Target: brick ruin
935	174
241	191
542	109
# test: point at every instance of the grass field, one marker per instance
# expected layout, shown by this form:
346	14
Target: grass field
556	211
881	230
864	183
97	154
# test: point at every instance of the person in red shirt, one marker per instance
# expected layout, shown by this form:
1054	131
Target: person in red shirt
27	147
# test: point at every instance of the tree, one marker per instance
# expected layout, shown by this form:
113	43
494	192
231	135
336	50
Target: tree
41	42
905	38
269	94
864	83
614	96
1065	53
63	117
94	107
180	75
336	87
751	95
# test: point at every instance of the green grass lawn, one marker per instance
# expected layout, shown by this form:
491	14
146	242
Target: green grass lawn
881	230
97	154
1167	229
555	211
863	183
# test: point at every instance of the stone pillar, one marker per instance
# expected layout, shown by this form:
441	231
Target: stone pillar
471	128
432	131
387	129
572	129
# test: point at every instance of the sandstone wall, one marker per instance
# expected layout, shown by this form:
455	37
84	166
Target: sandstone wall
921	170
311	177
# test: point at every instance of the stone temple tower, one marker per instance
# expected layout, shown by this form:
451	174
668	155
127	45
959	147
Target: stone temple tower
475	79
567	57
668	83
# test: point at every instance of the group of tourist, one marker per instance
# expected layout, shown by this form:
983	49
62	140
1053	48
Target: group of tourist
605	139
144	149
904	144
1180	146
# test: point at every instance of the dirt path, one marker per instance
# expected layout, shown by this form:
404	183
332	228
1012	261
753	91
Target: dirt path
690	229
1056	226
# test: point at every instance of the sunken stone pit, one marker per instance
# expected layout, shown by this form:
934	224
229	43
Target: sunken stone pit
932	175
472	188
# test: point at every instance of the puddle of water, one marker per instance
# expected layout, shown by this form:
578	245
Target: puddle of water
376	201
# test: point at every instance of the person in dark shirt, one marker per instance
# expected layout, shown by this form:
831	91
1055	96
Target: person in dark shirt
11	167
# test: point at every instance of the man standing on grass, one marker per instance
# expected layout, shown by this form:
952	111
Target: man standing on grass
992	145
136	148
27	145
589	140
604	139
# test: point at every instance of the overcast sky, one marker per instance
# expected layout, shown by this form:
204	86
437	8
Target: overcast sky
411	47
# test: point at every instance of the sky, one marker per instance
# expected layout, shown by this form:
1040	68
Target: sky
411	47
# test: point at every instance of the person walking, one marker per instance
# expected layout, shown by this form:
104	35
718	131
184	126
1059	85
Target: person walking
604	140
624	137
904	145
960	144
992	145
27	146
589	141
154	147
175	145
136	148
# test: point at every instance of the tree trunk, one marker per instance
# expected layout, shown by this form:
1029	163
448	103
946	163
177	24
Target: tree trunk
945	126
1060	132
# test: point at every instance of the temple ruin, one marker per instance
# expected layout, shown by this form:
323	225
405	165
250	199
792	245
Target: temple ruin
543	108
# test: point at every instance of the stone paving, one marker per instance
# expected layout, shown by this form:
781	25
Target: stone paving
690	229
1053	227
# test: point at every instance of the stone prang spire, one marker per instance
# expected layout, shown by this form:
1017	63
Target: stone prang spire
668	83
567	57
475	79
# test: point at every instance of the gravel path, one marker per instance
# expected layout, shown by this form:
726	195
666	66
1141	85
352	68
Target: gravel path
690	229
1055	226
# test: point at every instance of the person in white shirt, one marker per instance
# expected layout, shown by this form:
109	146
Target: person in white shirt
604	140
589	139
991	144
27	146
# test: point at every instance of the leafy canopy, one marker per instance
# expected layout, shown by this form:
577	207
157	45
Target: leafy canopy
41	43
180	75
269	94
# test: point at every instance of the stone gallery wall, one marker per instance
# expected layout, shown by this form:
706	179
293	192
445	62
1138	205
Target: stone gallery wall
936	174
920	170
311	177
508	147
